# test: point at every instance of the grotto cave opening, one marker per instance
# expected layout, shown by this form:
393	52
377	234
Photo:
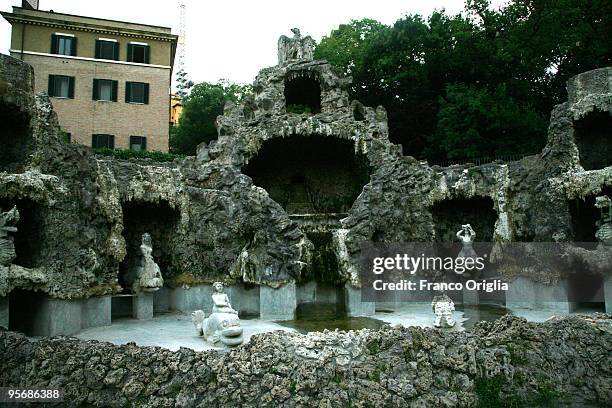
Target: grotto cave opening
15	138
159	220
449	215
584	216
320	293
310	174
303	92
29	236
586	290
593	140
24	308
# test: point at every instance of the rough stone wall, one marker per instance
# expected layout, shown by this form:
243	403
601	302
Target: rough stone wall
562	362
229	229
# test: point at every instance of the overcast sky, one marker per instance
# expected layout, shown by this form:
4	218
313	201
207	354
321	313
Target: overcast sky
234	39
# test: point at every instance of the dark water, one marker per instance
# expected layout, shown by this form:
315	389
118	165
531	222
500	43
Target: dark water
318	317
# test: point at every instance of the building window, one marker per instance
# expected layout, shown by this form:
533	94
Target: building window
138	53
137	92
61	86
105	90
63	45
102	141
138	143
108	50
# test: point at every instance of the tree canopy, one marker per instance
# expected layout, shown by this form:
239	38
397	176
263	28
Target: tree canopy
200	110
478	84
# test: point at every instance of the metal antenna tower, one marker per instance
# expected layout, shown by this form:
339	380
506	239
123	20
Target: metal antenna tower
183	84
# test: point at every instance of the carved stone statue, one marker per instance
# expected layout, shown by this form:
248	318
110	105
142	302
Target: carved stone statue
148	276
443	307
466	236
8	220
223	325
604	226
295	48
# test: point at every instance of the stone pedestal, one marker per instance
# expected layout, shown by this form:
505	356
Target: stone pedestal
56	317
142	306
523	293
353	304
608	293
4	312
277	304
96	311
470	297
187	300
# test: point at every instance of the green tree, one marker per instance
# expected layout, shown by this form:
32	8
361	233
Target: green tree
200	110
475	122
521	54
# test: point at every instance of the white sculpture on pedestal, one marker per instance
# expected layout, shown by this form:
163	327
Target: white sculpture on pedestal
443	307
466	236
223	325
148	274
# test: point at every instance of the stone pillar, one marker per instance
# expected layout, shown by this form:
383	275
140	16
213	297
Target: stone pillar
608	293
57	317
353	304
142	306
96	312
243	300
188	299
470	297
523	293
277	304
4	312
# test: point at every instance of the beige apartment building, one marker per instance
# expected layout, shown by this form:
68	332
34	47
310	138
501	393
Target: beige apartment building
109	81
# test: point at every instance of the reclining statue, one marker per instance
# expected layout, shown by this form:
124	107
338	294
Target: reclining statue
223	325
148	275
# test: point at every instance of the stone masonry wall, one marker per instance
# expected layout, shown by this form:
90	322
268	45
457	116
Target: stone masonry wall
562	362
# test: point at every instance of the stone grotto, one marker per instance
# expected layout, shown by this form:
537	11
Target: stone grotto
277	209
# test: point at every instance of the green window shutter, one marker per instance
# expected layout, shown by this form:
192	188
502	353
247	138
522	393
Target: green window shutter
98	49
147	54
111	141
128	91
130	53
73	48
146	94
94	141
71	88
51	87
116	51
114	91
54	44
94	94
144	143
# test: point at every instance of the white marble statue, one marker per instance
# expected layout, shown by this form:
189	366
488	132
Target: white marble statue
148	274
443	307
466	236
223	325
8	220
295	48
604	226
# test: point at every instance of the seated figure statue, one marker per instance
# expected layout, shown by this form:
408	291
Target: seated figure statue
222	326
149	277
221	303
